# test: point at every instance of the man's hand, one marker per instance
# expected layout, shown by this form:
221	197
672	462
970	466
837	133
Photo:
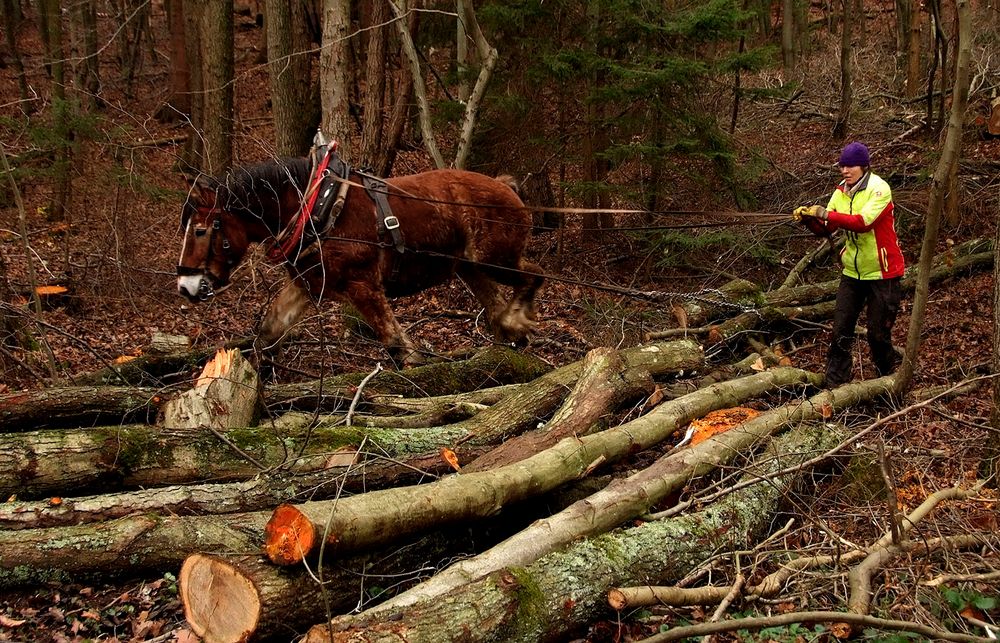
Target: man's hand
813	211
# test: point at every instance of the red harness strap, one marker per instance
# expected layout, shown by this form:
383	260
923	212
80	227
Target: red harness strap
285	249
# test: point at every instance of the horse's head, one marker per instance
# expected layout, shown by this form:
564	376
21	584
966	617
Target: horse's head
215	241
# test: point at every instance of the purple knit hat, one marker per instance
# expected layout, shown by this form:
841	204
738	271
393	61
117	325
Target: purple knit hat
855	154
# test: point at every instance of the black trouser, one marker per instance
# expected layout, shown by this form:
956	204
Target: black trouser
882	297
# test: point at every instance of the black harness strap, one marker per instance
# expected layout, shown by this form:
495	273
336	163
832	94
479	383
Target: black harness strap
377	190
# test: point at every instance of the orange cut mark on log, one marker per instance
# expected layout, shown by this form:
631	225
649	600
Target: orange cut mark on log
720	421
216	367
288	536
449	456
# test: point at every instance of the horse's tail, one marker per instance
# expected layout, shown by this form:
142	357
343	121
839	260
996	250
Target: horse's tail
510	182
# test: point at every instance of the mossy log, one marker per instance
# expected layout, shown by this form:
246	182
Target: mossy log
553	597
375	518
604	384
41	463
620	502
88	405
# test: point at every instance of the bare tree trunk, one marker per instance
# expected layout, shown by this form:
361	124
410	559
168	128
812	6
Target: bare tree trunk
217	75
914	47
419	88
846	84
950	154
334	75
11	24
788	50
177	106
294	97
88	78
193	159
373	117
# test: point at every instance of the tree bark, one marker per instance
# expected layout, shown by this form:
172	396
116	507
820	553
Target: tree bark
846	83
334	75
603	385
87	405
559	593
950	154
295	532
617	503
373	121
294	97
217	61
177	106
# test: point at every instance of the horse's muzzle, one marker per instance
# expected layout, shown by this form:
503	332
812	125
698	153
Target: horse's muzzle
195	287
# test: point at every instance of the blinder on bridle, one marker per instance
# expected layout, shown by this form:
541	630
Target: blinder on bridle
205	286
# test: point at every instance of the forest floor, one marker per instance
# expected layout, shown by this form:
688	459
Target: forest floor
118	251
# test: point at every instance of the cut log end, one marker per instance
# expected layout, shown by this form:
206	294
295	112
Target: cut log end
616	599
220	603
289	536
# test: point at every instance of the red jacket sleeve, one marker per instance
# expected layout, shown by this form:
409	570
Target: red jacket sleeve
816	226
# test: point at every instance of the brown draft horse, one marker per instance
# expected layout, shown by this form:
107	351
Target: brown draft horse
452	222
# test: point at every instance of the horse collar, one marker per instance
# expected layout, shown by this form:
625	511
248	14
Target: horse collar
317	207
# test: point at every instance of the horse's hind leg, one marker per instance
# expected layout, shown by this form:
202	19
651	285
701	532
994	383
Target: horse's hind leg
520	314
486	292
374	307
515	320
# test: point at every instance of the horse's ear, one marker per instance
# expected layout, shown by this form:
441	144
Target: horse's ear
202	189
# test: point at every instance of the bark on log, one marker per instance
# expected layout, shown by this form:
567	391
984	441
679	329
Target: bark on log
50	462
553	597
152	369
617	503
604	384
77	406
88	405
490	367
224	397
238	598
378	517
123	547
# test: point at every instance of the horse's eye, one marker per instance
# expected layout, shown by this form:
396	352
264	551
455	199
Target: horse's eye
200	232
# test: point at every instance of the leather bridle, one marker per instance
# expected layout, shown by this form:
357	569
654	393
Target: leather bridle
205	289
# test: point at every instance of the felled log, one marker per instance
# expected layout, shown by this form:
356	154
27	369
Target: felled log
88	405
239	598
77	406
378	517
225	396
152	368
565	590
124	547
604	383
490	367
624	501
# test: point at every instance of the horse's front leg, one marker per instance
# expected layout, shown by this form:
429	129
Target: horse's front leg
371	302
284	312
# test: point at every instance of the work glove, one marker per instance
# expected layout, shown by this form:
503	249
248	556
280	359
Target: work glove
812	211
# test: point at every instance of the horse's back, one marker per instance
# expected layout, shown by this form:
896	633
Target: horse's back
484	210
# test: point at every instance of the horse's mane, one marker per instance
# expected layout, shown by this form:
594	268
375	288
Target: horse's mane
256	190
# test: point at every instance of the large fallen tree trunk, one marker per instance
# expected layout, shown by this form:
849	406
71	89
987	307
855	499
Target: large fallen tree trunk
87	405
616	504
295	532
47	462
560	593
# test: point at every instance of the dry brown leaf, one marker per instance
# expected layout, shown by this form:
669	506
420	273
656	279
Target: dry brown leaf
826	411
841	631
6	621
758	365
55	501
449	456
121	359
185	636
654	398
